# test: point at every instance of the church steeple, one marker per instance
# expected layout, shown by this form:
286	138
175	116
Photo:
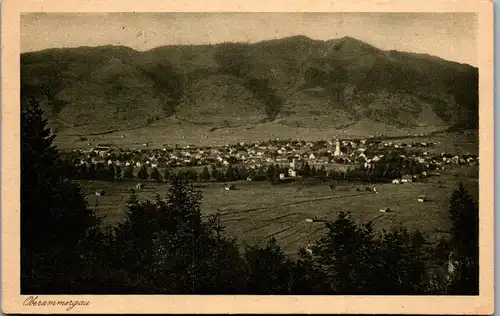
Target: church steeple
337	148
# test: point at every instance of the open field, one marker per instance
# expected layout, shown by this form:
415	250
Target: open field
176	131
257	211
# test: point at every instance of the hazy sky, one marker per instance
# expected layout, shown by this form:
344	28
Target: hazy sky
451	36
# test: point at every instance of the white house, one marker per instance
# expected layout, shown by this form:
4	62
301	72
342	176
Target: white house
407	179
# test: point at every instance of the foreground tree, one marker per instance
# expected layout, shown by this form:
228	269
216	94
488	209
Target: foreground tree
268	269
179	251
55	221
464	216
358	261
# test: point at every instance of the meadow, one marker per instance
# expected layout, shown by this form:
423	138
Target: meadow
174	130
256	211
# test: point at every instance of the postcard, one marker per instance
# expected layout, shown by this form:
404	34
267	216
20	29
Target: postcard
172	157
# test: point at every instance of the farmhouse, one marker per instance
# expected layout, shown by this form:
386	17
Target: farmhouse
407	179
421	198
230	187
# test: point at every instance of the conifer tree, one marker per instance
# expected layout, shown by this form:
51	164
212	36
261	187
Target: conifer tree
322	172
55	220
213	172
118	172
271	172
143	173
346	254
268	269
205	174
128	173
134	239
155	174
230	173
91	172
110	173
306	170
313	171
464	216
166	174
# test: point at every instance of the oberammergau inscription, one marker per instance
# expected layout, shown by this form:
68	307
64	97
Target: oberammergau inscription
69	304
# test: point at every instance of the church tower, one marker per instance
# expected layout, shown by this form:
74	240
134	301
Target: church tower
337	148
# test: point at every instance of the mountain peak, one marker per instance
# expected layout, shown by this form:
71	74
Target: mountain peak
294	39
298	38
351	44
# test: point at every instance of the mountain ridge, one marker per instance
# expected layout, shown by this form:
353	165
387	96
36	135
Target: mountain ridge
335	82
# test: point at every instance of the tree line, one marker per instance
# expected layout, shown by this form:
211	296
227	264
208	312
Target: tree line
166	245
382	171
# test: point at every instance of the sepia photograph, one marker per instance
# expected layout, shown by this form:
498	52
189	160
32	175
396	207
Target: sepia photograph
250	154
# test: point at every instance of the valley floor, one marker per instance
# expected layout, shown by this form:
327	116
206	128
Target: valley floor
179	132
256	211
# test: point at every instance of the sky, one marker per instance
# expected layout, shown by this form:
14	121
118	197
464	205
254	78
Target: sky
452	36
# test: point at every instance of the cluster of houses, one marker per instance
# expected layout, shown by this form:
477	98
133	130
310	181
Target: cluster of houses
360	152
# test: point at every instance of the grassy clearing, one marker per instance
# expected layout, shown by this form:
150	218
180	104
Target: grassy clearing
180	132
257	211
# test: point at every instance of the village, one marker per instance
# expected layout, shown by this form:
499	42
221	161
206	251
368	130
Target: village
290	157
